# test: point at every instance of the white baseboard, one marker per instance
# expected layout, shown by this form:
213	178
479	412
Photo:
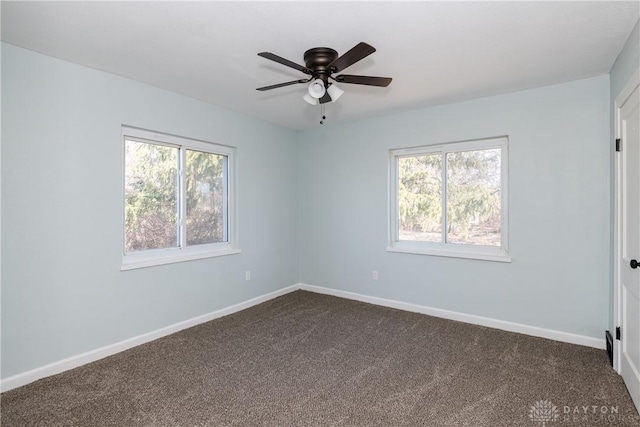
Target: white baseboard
463	317
60	366
25	378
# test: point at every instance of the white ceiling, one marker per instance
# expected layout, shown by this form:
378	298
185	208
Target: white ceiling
437	52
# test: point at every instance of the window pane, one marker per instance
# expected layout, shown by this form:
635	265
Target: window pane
151	189
206	188
420	198
473	197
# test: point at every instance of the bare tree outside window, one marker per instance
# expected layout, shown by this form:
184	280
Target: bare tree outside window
151	196
205	185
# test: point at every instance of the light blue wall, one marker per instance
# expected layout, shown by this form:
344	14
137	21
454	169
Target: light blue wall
558	203
62	291
626	64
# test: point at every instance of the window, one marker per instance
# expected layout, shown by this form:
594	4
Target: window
450	200
178	196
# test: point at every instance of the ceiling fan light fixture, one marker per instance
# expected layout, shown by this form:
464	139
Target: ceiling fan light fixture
316	89
309	99
334	92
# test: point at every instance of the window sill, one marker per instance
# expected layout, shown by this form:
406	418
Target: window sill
132	262
497	255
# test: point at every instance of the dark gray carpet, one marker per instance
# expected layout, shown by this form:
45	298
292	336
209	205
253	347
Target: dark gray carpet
306	359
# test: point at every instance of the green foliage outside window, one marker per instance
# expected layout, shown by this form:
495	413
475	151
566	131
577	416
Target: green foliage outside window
473	204
205	191
152	195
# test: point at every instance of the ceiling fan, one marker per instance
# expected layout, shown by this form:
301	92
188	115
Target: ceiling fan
321	63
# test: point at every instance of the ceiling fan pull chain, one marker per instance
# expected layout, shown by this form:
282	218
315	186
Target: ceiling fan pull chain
322	114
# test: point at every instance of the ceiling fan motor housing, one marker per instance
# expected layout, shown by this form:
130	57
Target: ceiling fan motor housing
318	60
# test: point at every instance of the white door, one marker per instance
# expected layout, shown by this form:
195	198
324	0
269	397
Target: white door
629	270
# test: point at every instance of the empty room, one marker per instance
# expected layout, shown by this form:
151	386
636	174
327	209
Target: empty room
303	213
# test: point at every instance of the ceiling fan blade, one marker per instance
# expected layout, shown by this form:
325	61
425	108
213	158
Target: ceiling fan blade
326	98
363	80
282	85
281	60
358	52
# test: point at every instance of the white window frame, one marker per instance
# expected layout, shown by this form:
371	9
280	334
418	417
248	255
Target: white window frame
444	248
152	257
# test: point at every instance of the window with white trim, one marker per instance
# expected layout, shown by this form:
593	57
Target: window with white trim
178	199
450	199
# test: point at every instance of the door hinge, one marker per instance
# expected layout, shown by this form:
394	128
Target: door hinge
618	333
618	144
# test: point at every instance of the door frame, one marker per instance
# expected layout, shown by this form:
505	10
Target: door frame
621	98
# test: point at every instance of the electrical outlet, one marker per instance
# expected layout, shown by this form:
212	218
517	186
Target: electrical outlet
374	275
247	275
